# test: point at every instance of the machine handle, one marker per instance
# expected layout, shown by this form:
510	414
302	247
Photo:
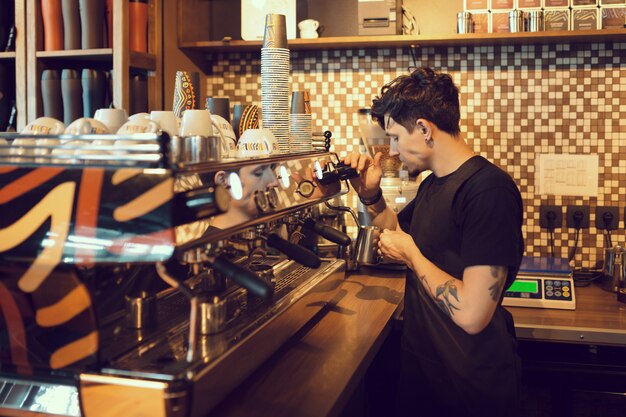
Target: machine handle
243	277
328	232
298	253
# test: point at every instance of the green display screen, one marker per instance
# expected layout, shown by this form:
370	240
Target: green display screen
524	286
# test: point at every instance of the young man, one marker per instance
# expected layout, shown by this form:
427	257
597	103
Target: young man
462	242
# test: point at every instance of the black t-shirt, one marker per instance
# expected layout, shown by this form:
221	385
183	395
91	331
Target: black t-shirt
470	217
487	213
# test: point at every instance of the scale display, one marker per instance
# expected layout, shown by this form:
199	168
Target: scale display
542	283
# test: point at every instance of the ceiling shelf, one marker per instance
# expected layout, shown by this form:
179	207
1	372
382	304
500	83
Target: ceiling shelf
393	41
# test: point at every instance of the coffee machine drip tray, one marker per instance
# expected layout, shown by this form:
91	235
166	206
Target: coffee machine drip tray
224	359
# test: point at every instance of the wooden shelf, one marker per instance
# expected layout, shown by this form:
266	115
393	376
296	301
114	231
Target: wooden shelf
138	60
100	54
142	60
7	55
473	39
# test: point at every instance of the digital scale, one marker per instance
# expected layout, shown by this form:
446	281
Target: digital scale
543	283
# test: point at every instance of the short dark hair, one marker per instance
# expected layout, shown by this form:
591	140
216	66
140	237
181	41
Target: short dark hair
423	94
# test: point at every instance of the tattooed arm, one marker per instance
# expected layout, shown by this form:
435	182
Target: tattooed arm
470	303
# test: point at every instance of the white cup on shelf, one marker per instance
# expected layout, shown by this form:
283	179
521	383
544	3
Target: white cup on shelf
167	120
112	118
196	123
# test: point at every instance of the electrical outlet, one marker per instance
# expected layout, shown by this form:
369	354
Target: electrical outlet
607	217
577	213
550	217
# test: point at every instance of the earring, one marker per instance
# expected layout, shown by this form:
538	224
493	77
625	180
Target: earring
428	141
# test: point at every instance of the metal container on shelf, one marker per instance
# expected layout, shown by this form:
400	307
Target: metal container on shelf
464	22
516	21
535	21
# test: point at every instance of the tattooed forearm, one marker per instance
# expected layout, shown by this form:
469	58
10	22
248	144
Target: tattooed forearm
444	295
499	274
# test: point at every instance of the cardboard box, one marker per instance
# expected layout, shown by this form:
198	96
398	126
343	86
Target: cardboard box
556	19
612	17
585	19
551	4
499	22
476	5
528	4
584	3
502	4
481	22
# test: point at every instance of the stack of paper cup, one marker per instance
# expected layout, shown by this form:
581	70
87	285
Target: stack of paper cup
300	122
275	70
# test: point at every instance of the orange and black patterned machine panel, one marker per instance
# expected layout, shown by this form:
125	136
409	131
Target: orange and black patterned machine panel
126	275
57	222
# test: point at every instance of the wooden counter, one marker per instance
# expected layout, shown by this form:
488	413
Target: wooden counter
315	373
598	319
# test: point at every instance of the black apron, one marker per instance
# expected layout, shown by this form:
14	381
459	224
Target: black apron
446	371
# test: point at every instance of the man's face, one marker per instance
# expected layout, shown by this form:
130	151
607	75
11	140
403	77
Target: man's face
254	178
412	148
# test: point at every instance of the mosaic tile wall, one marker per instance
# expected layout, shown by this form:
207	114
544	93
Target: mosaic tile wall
517	102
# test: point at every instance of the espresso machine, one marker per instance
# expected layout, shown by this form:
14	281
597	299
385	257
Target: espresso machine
134	285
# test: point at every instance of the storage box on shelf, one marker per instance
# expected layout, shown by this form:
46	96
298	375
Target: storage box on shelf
202	39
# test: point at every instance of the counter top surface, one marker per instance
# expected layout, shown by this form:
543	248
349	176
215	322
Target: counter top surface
598	318
317	370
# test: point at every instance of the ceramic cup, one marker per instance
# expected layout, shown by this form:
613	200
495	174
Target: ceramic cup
44	126
167	120
256	142
308	28
227	135
112	118
201	123
139	125
86	126
196	123
139	116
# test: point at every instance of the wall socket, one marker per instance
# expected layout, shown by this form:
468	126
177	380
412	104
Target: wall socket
573	211
546	220
612	215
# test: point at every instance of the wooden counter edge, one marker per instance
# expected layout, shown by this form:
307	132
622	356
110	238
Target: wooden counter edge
336	348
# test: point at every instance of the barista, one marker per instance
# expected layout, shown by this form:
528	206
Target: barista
461	240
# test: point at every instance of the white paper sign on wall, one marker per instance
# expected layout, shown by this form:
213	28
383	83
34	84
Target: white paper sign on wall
567	174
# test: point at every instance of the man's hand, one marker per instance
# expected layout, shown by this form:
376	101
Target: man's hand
397	246
367	183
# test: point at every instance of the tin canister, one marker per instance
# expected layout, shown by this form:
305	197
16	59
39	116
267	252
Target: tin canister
464	23
516	21
535	21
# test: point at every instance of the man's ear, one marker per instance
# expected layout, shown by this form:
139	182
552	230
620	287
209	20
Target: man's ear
422	127
220	178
